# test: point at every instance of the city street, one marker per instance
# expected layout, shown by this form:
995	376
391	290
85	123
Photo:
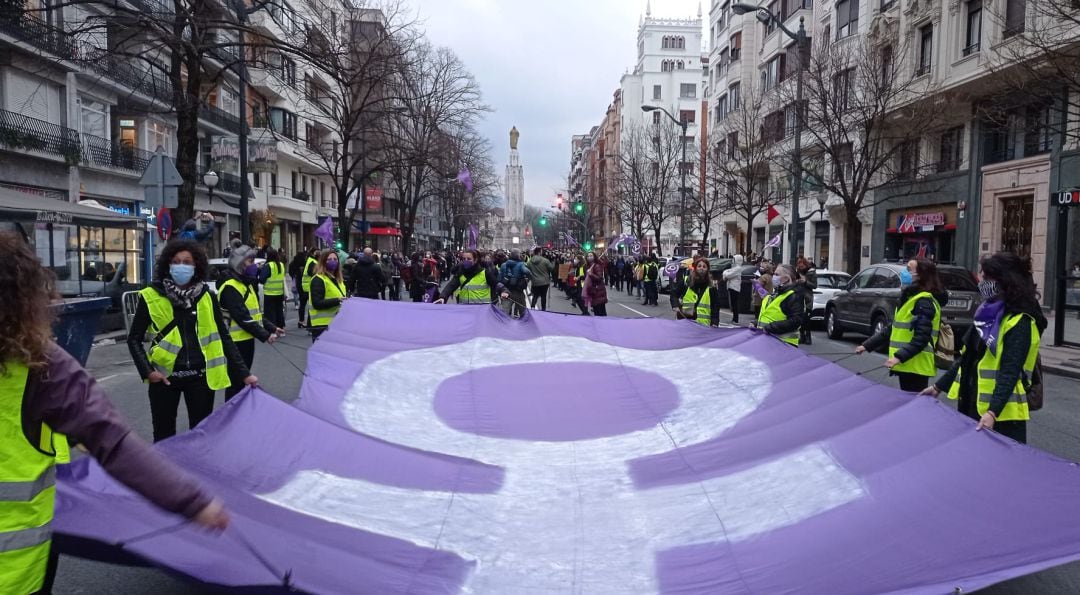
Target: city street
1054	429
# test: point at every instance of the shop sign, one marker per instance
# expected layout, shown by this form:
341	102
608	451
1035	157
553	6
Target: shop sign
54	217
912	222
262	156
225	155
374	198
1067	199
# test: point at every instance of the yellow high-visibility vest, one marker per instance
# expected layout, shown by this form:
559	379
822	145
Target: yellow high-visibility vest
771	311
703	308
27	490
164	351
474	290
251	302
305	278
275	283
903	331
332	289
1016	409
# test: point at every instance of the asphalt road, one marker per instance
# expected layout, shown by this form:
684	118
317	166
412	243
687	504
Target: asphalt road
1055	429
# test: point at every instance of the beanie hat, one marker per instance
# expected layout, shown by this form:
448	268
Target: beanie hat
238	256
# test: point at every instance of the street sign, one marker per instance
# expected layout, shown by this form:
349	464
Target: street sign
161	182
1069	198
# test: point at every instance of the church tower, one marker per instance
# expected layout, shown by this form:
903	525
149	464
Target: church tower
514	182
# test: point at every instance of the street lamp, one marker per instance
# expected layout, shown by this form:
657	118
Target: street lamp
210	178
765	15
682	168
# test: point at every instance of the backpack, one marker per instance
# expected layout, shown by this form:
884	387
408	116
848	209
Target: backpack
1034	386
945	349
515	277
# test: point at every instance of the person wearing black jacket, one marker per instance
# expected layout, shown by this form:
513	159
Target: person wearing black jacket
181	271
650	278
367	279
238	294
1009	289
792	306
468	269
920	276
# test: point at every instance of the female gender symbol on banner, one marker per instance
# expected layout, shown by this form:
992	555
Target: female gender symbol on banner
568	516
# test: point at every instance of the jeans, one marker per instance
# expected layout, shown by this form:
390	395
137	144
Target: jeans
165	400
733	299
246	348
540	294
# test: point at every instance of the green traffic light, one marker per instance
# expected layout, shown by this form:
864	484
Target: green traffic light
543	221
587	246
579	207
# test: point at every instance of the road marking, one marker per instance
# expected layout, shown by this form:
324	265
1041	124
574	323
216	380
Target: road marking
642	314
111	376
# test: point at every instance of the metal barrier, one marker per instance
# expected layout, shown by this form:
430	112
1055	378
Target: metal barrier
129	303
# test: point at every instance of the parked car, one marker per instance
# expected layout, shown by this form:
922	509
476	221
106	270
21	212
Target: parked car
867	303
829	283
218	266
663	282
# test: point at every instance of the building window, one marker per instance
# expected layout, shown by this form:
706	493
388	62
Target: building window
228	100
688	91
847	18
95	118
657	92
283	122
722	107
256	180
687	115
158	135
1037	132
736	46
732	145
656	117
974	27
680	65
1015	17
772	72
887	65
844	166
949	152
842	91
909	160
772	130
926	50
770	25
666	66
733	93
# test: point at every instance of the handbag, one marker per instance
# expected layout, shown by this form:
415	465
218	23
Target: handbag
1034	386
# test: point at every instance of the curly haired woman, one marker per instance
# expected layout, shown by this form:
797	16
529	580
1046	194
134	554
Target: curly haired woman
47	399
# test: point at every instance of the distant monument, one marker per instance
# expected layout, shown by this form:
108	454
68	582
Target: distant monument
515	182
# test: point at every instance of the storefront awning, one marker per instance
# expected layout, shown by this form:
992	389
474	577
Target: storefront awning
385	231
20	206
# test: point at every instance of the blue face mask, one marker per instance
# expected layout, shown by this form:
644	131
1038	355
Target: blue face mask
182	273
905	277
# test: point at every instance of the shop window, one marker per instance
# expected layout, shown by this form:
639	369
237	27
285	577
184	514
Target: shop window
951	149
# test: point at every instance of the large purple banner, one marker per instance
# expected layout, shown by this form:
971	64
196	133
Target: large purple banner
450	449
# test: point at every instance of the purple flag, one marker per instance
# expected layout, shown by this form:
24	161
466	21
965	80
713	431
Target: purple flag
474	236
466	179
410	468
775	241
325	230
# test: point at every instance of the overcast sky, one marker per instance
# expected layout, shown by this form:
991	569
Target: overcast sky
548	67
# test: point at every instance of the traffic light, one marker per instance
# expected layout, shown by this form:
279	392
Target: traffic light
579	207
543	221
587	246
338	245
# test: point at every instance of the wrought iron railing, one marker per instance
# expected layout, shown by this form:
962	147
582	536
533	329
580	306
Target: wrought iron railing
287	192
110	153
27	27
227	182
126	70
156	7
219	117
18	131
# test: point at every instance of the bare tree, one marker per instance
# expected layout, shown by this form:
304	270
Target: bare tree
648	175
742	161
1039	64
442	100
473	152
629	197
865	110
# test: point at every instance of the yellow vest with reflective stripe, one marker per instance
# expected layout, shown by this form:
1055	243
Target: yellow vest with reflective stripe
275	283
771	311
305	278
903	331
164	351
318	318
703	308
27	491
251	302
474	290
1016	409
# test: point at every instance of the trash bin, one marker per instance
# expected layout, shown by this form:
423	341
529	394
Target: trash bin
77	321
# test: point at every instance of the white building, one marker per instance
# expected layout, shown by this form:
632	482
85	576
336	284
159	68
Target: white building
668	74
515	183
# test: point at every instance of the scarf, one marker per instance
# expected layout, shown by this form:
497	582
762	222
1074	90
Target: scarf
988	322
183	297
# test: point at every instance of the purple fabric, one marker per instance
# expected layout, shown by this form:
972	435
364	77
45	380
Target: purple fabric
325	230
474	236
465	177
930	505
988	322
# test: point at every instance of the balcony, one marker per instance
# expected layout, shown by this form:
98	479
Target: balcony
101	152
36	32
154	7
266	80
283	197
30	134
123	69
219	117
